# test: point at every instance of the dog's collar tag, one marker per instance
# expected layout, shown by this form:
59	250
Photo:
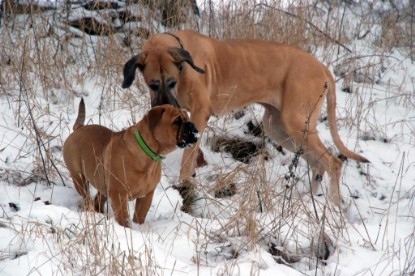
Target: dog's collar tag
146	149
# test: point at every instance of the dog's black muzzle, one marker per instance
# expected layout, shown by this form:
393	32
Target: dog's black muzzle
188	135
165	96
165	100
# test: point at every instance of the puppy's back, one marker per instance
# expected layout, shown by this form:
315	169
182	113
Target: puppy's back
82	151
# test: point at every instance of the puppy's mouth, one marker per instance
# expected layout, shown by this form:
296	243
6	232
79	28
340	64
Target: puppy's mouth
188	135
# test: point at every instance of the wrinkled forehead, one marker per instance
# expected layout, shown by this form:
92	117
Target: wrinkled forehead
159	63
157	49
158	56
157	42
173	111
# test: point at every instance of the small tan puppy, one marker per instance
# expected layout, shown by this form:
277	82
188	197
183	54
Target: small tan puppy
125	165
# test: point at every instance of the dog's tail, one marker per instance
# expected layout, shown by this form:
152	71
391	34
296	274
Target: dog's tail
331	115
81	115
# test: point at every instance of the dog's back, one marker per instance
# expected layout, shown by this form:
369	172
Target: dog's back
82	150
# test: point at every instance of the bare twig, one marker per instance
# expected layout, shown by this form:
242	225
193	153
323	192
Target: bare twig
308	23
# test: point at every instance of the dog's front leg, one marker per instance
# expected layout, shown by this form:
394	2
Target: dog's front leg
142	205
190	155
119	205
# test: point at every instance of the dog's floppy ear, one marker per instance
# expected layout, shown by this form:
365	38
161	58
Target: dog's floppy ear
154	116
180	55
130	67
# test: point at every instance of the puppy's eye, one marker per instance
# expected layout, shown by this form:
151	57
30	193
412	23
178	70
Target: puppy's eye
178	121
154	85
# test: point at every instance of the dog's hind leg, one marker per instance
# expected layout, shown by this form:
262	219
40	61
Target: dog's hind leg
318	154
315	152
142	205
274	129
82	187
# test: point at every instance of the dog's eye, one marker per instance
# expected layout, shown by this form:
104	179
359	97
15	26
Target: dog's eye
141	67
178	121
154	85
171	83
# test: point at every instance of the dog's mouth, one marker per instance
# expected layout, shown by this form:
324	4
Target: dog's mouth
171	101
188	135
166	96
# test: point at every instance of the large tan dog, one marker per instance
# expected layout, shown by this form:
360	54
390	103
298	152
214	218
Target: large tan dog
125	165
212	77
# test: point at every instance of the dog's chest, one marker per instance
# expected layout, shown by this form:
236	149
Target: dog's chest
144	182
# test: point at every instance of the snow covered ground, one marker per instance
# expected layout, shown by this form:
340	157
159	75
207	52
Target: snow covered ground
44	231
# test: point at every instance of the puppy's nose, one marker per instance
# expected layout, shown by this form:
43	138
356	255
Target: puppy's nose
193	133
190	135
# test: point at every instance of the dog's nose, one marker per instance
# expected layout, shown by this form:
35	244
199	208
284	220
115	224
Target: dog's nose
190	135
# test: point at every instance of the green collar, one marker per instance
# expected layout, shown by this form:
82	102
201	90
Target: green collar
145	148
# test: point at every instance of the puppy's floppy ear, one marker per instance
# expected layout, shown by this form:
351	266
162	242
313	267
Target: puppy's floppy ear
130	66
181	55
154	116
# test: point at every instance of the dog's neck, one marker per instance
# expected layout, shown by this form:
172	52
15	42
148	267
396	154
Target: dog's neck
143	145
